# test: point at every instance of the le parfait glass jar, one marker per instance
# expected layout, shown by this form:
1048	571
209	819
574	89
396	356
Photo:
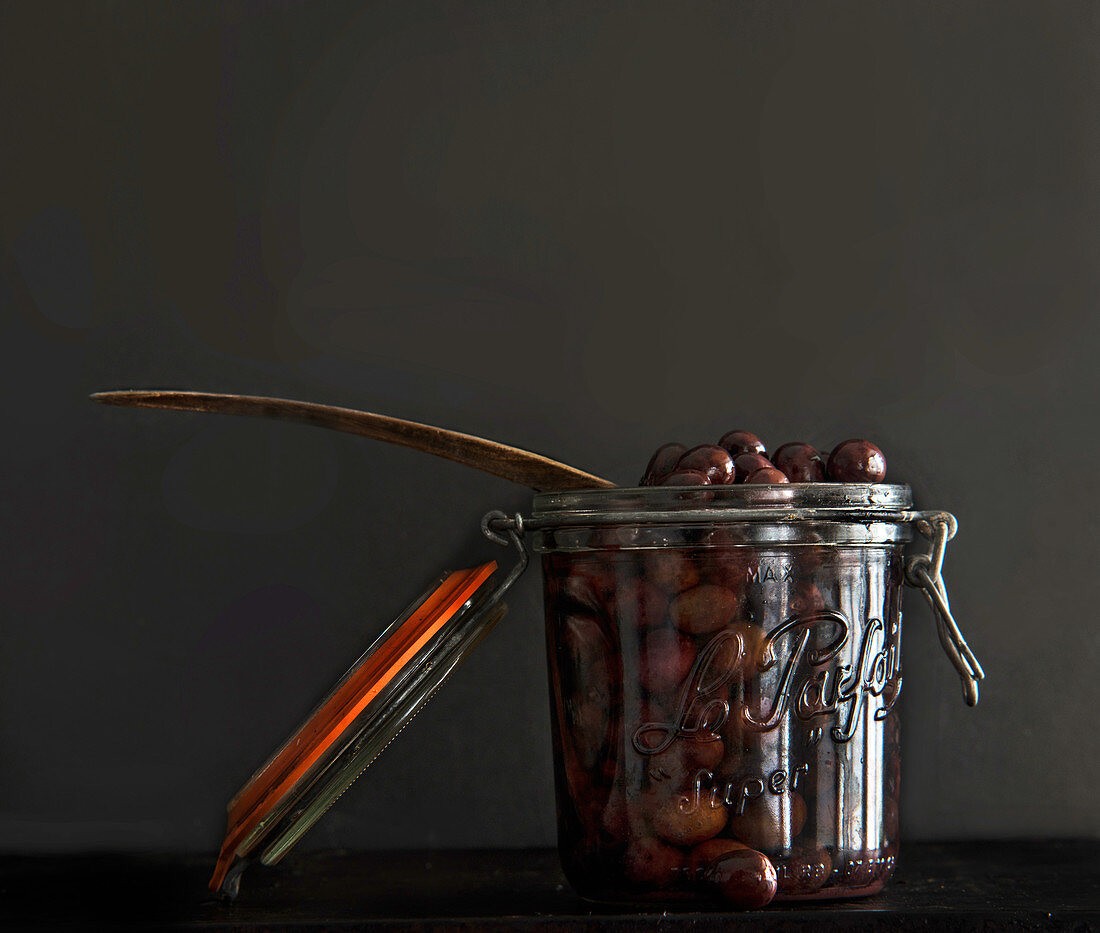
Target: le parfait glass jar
724	667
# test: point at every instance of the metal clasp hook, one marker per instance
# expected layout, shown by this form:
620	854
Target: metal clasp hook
505	530
925	571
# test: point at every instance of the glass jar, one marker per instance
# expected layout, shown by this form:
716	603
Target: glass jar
724	665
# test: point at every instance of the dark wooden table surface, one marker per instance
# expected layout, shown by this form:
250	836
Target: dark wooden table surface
950	886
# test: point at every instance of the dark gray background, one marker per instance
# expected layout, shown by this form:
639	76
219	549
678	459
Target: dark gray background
580	228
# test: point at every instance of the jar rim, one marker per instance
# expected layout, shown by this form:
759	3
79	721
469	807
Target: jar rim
786	502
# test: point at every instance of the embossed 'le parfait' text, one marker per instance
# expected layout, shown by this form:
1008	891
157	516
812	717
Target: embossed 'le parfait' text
825	688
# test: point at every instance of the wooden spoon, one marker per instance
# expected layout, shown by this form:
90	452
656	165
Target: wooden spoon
520	466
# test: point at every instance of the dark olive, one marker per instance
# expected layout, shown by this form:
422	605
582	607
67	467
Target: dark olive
672	570
662	463
729	567
586	585
652	863
704	609
685	478
666	660
767	475
805	870
743	877
856	461
742	442
679	825
710	459
800	462
747	463
860	871
706	852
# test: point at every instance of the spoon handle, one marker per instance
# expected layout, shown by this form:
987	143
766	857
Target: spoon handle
511	463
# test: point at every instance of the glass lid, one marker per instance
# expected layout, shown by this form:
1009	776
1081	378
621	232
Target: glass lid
357	719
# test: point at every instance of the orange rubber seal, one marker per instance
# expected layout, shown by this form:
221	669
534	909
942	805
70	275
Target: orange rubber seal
272	783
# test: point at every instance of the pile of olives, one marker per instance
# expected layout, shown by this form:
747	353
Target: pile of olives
740	457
